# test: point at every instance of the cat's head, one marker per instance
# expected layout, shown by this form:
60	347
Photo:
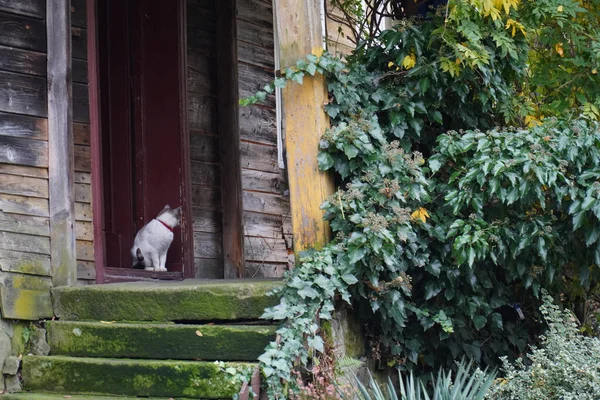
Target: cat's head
170	216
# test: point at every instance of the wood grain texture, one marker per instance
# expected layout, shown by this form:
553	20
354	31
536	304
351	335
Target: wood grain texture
229	134
60	144
26	224
208	268
33	172
23	186
208	245
19	151
258	124
22	61
24	205
85	250
201	112
267	203
257	12
207	197
204	148
86	270
252	79
33	8
25	243
264	181
305	122
23	126
266	250
205	174
23	94
25	263
256	34
257	55
259	157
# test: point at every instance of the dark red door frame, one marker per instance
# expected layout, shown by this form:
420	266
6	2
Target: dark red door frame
96	149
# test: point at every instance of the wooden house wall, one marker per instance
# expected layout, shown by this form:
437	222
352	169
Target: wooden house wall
24	210
338	35
267	222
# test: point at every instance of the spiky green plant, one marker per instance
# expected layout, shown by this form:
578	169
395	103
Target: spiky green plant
468	384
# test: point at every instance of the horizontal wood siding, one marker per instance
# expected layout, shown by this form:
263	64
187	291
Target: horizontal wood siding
204	139
24	212
267	224
339	36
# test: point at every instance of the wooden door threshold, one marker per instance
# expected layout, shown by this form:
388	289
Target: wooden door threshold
112	275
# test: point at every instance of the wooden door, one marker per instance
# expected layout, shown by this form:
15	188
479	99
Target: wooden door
144	134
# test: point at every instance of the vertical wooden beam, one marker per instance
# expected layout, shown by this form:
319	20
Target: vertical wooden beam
96	140
299	32
229	134
60	144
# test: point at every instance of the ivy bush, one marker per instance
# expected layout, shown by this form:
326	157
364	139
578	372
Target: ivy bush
446	227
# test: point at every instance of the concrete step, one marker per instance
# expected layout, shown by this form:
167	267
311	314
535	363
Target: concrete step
188	300
125	377
44	396
159	341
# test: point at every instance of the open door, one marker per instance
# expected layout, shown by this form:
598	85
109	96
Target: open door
145	163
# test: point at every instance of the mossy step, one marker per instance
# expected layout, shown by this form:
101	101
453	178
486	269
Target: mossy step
43	396
125	377
188	300
159	341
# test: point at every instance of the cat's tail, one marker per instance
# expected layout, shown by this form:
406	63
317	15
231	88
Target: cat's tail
140	259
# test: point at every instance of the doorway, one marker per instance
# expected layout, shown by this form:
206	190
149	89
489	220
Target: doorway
143	134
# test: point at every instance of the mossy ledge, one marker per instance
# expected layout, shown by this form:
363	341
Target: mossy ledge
159	341
44	396
190	300
58	374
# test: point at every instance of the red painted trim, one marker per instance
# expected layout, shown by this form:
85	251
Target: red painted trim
95	141
189	270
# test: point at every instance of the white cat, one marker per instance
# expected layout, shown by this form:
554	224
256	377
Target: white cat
152	242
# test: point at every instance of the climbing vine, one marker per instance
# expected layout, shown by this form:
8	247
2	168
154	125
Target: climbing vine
446	228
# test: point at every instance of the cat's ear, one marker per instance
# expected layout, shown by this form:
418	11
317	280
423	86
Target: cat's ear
167	207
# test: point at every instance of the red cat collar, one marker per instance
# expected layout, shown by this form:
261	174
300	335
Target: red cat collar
165	225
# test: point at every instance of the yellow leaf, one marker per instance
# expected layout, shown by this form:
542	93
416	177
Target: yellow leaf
511	23
420	214
560	9
390	64
594	71
559	49
409	61
199	333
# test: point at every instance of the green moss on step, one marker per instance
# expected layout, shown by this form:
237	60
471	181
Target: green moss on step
59	374
159	341
42	396
192	300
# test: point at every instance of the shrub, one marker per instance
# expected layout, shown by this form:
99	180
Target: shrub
566	366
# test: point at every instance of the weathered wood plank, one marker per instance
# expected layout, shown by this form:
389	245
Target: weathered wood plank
23	304
84	230
265	270
29	282
252	79
86	270
207	197
305	122
23	32
22	61
26	224
257	12
83	212
82	177
257	35
23	126
266	250
25	243
208	245
201	82
79	38
25	263
208	268
83	159
33	8
78	13
206	4
20	151
266	203
206	220
80	73
229	134
201	113
24	186
60	143
266	225
204	147
85	250
257	55
24	205
81	134
83	193
264	181
33	172
81	103
23	94
205	174
259	157
200	17
258	124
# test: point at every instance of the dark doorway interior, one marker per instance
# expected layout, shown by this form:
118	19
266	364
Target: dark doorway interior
144	136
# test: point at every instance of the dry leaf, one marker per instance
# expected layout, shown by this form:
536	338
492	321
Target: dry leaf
199	333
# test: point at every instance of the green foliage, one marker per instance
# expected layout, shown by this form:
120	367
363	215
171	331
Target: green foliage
468	384
565	366
434	254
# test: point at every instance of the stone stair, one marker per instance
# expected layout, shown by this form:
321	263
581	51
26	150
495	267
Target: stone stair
150	339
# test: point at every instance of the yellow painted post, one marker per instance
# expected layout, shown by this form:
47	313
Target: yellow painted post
299	34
